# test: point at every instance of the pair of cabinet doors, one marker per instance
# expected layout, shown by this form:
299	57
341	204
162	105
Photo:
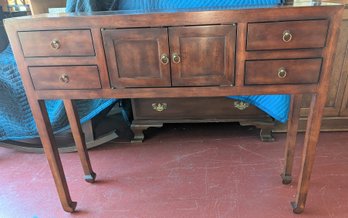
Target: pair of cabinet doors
173	56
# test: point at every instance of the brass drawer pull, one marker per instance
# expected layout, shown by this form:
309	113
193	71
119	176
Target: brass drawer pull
241	105
164	59
287	36
176	58
55	44
282	73
159	107
64	78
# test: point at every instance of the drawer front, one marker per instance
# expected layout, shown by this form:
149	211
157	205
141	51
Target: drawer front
287	35
298	71
192	108
65	78
57	43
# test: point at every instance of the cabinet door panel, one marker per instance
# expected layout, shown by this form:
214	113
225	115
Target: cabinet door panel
134	57
206	55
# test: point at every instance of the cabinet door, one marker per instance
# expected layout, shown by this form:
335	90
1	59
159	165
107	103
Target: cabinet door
202	55
137	57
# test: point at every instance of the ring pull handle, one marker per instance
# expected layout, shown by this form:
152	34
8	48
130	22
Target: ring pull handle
282	73
287	36
55	44
164	59
176	58
64	78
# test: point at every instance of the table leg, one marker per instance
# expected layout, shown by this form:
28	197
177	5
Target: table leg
294	116
309	149
43	124
79	139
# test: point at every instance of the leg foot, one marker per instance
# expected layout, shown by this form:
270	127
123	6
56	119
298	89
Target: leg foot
287	179
266	135
91	177
138	130
296	209
71	207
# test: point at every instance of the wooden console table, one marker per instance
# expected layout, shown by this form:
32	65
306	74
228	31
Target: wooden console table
163	54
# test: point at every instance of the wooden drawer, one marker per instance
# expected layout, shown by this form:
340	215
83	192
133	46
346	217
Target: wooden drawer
191	108
296	71
57	43
67	77
287	35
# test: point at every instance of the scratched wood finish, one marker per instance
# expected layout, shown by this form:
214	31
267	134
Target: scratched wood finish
162	20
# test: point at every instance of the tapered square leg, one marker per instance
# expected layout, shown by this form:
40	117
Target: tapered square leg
79	139
48	142
294	116
309	149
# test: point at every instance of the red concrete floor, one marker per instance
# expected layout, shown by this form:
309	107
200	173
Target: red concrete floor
212	170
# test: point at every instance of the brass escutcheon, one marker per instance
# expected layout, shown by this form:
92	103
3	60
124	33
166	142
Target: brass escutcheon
241	105
55	44
159	107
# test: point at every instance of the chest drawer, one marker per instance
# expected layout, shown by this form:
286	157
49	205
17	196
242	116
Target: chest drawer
57	43
65	78
191	108
297	71
287	35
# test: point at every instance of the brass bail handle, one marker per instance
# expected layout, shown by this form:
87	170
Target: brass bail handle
64	78
159	107
282	73
287	36
176	58
241	105
164	59
55	44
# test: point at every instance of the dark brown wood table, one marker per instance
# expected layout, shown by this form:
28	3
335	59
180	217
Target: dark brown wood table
283	49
